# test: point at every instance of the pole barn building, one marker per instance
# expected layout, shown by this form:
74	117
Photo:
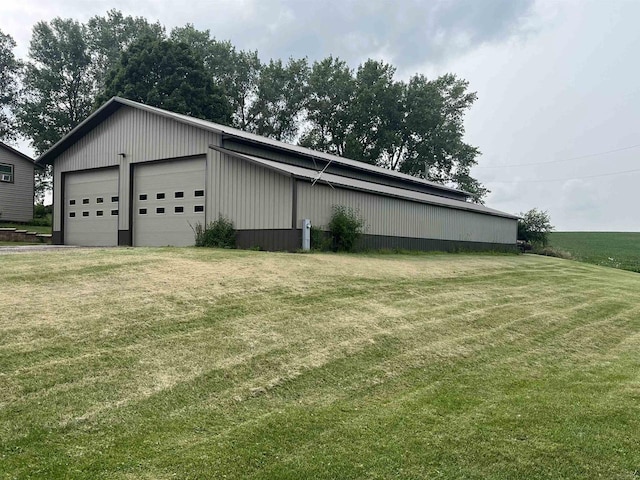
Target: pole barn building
131	174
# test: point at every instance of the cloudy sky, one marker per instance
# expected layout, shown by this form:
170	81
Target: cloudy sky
558	113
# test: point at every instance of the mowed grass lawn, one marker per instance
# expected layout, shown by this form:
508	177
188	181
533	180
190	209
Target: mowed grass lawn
611	249
194	363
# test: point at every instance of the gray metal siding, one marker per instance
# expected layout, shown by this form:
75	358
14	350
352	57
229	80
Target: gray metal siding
252	196
338	169
16	199
400	218
142	136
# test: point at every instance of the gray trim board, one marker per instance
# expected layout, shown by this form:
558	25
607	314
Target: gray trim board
383	242
273	240
125	239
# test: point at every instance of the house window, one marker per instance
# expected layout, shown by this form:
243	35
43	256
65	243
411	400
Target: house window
6	172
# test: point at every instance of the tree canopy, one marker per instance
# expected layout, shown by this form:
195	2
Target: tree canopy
9	69
535	226
169	75
364	113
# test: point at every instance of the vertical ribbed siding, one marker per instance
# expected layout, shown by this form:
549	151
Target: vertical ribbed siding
16	199
252	196
401	218
337	169
142	137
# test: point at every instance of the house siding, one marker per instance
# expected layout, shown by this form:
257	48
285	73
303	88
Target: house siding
16	199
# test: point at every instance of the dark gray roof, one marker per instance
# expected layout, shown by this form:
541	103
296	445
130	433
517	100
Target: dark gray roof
112	105
16	152
362	185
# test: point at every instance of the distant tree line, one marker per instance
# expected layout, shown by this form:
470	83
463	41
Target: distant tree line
415	127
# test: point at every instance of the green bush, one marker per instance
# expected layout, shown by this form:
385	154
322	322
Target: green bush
320	240
346	227
534	227
220	234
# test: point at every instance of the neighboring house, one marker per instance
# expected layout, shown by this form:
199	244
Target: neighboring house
131	174
16	185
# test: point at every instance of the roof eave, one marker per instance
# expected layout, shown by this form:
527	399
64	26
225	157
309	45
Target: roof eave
56	150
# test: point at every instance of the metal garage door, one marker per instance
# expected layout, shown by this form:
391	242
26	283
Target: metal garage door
169	199
91	208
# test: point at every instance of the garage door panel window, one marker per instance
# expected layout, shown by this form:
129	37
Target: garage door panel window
143	196
85	201
99	200
72	214
198	208
85	214
160	210
72	202
114	199
114	212
199	193
179	210
142	211
160	196
179	195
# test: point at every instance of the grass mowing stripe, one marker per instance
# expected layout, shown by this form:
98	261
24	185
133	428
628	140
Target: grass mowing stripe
425	366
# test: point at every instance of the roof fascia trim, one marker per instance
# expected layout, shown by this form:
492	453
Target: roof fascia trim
45	159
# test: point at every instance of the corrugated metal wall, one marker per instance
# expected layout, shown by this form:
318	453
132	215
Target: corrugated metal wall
336	169
401	218
142	136
16	199
252	196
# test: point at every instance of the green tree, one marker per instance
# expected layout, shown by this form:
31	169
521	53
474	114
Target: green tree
169	75
281	99
535	226
376	114
329	98
110	35
58	88
236	71
9	69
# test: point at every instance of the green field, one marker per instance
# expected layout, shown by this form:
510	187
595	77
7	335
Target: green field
194	363
610	249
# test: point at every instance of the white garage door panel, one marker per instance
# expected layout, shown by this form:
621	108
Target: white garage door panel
169	199
91	208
